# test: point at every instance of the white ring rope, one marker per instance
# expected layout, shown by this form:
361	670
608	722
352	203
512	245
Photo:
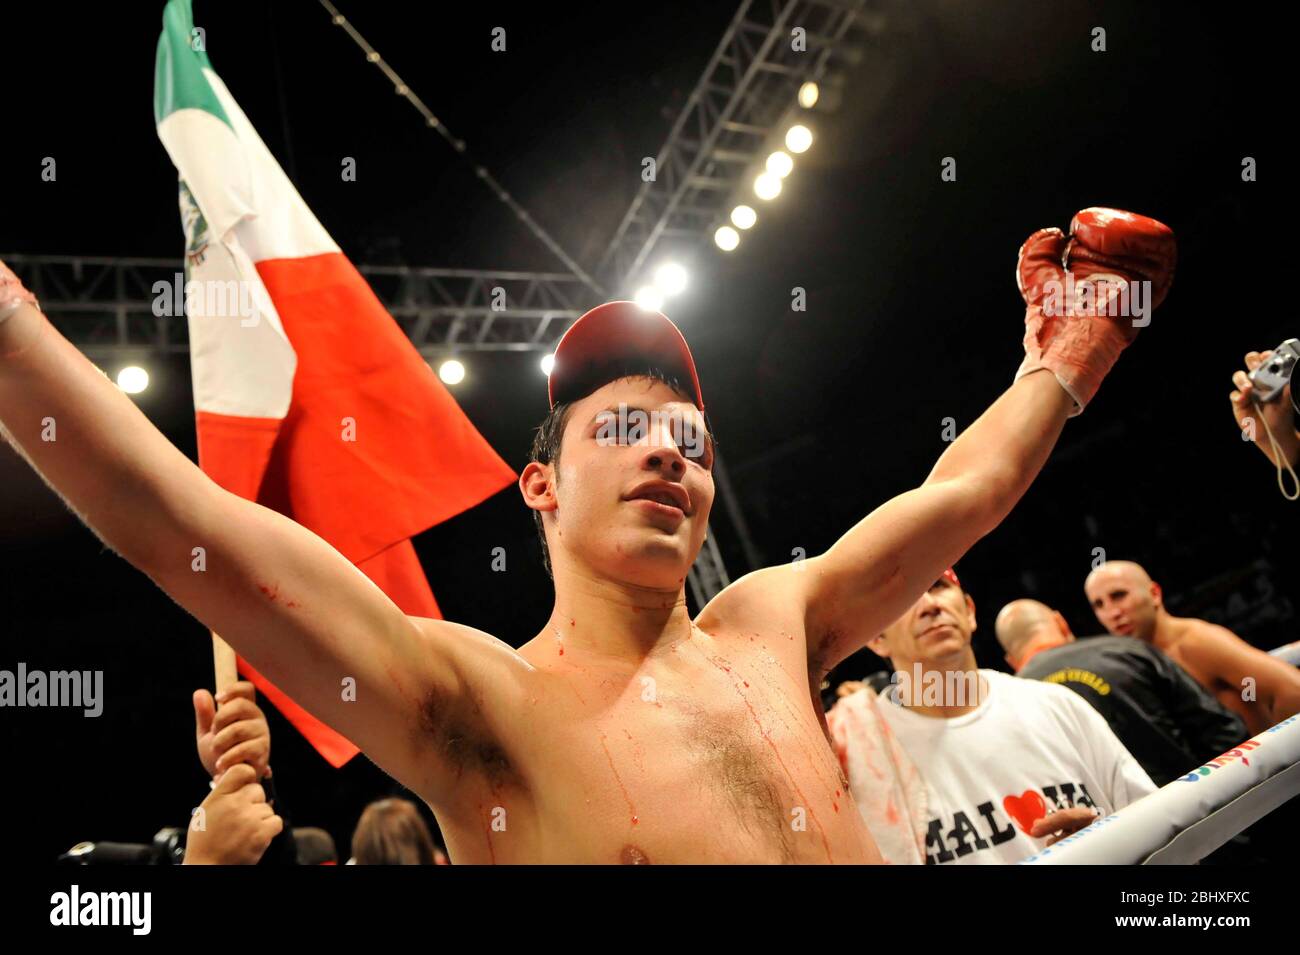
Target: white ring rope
1195	814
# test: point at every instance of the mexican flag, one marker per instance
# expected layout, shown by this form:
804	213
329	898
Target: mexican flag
308	397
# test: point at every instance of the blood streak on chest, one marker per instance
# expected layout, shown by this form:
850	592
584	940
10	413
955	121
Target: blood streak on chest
638	754
780	695
722	664
619	779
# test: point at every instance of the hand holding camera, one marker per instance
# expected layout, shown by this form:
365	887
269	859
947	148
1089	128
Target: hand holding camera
1264	403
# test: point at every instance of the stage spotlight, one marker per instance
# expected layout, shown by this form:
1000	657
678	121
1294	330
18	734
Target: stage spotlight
798	138
670	278
133	379
742	217
451	372
548	363
767	186
779	164
726	238
649	298
808	94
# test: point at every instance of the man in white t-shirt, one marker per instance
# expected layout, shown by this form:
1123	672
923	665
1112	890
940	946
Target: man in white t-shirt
1007	766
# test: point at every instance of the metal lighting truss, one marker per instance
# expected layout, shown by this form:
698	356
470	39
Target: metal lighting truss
749	86
116	307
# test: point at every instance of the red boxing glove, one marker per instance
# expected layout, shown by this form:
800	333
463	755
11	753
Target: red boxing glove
1088	294
12	293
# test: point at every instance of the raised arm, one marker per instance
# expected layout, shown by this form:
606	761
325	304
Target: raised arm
1112	262
293	606
872	574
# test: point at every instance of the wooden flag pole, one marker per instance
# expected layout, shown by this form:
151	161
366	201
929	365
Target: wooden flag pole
223	664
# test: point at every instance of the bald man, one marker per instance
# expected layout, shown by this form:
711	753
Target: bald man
1260	689
1161	715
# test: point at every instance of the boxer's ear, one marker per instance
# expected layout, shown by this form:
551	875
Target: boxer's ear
879	645
537	485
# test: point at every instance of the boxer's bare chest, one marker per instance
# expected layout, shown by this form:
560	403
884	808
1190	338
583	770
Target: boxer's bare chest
713	751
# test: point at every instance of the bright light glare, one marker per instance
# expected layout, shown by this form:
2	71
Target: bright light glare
548	363
808	94
670	278
727	238
649	298
798	138
451	372
767	186
779	164
742	217
133	379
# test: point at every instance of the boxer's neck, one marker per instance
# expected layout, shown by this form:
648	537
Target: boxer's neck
599	617
1167	629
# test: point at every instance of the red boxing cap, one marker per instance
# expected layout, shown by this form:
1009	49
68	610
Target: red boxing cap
951	575
614	333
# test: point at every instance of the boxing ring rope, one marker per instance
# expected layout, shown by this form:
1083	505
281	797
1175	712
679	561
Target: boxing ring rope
1192	816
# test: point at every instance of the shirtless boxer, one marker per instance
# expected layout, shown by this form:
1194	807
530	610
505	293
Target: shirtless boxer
1129	603
624	731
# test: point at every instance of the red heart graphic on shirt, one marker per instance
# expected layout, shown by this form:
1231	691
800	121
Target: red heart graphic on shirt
1025	809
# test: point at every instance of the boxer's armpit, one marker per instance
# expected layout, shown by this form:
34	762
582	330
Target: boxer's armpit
460	742
469	751
822	647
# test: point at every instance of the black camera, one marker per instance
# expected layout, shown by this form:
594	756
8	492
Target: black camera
168	848
1272	376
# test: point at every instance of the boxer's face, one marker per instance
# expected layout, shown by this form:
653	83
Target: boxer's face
1124	605
936	630
634	485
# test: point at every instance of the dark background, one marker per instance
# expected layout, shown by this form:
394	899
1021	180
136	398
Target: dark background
913	314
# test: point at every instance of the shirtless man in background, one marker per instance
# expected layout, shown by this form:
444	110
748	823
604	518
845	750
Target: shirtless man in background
1129	603
624	731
